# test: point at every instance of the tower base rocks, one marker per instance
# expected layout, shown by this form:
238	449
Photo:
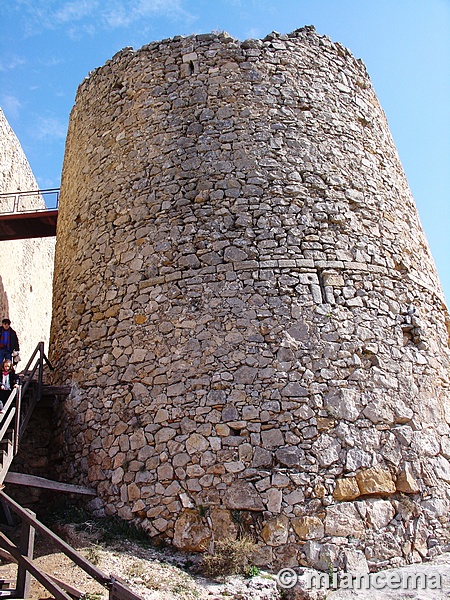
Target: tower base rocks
246	307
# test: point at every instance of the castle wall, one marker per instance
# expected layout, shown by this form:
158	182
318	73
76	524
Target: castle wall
26	266
246	307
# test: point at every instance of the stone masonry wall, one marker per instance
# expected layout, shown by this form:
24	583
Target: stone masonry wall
246	307
26	266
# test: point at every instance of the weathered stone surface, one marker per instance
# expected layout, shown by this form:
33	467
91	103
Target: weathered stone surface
196	443
242	495
344	520
190	533
274	500
346	489
379	513
272	438
343	404
406	482
441	468
252	299
222	524
25	289
375	480
262	457
290	456
308	528
385	546
275	532
354	561
322	556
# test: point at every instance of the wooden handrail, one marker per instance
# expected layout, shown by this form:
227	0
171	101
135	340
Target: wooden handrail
24	552
5	423
36	350
110	582
25	562
75	556
28	377
13	405
10	400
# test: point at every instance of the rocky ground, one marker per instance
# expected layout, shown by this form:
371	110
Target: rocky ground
153	573
164	574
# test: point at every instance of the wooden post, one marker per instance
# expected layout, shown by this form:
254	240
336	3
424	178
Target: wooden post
120	591
26	547
17	419
41	369
6	511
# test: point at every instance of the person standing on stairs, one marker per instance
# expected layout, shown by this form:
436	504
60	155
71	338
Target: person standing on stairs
9	380
9	342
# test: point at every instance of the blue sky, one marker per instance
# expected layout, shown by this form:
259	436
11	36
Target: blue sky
47	47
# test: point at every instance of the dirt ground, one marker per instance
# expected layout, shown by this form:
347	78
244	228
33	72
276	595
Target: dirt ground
165	574
151	573
147	575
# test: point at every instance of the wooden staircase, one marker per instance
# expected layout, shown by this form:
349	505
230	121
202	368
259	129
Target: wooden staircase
19	407
14	419
6	453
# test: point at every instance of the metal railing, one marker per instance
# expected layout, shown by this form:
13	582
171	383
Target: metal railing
29	201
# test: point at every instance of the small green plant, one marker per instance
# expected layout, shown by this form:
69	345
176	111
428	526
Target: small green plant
136	569
184	589
93	554
203	511
91	596
332	574
230	557
252	571
236	517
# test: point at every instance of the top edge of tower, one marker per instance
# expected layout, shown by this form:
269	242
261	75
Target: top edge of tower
274	40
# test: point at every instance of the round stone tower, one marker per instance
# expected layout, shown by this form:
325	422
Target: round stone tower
246	307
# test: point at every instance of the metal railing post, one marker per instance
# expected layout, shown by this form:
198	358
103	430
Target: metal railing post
15	199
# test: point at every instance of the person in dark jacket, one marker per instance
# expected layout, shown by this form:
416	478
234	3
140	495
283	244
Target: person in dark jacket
9	380
8	340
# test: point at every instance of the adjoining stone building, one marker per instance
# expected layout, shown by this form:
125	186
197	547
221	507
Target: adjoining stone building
26	266
246	306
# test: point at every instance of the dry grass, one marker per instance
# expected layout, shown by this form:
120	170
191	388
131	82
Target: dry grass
230	557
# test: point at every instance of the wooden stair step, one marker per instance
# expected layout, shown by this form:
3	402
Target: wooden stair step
56	390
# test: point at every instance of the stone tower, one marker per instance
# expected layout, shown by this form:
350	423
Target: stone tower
246	307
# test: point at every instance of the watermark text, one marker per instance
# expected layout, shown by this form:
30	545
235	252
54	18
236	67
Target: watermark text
391	580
